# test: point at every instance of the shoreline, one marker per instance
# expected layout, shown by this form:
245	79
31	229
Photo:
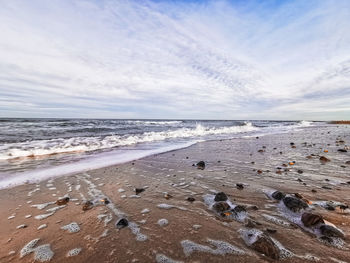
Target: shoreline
191	231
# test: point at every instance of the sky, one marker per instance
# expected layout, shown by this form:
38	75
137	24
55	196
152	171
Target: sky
280	60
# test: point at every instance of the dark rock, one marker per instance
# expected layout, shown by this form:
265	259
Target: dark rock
259	172
270	230
300	171
327	187
239	186
122	223
62	201
309	157
278	195
139	190
201	165
299	180
330	207
260	151
342	150
294	204
314	191
266	246
343	166
343	207
324	159
167	196
310	219
87	205
220	197
331	231
239	209
191	199
221	207
105	201
186	157
292	143
347	162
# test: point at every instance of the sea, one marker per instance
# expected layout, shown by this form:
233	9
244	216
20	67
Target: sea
36	149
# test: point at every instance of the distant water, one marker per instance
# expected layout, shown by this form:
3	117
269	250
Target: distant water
39	148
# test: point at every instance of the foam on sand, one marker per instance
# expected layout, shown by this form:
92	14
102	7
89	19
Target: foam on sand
222	248
42	253
72	227
73	252
43	216
163	222
161	258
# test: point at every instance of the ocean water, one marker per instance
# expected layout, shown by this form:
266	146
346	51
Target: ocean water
35	149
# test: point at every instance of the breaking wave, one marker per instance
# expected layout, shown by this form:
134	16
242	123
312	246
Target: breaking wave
37	148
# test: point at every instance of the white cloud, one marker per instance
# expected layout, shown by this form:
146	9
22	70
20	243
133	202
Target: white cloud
127	59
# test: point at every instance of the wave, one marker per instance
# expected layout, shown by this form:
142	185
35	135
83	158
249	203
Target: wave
155	122
305	123
85	144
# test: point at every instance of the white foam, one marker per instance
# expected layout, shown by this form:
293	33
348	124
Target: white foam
43	253
42	226
29	247
222	248
145	211
43	216
276	220
161	258
163	222
21	226
42	206
73	252
85	144
71	228
167	207
95	162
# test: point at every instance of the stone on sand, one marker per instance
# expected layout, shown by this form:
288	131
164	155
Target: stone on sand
310	219
294	204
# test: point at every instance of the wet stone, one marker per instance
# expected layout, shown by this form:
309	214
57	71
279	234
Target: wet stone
324	159
310	219
239	209
278	195
191	199
87	205
221	207
239	186
62	201
201	165
330	231
121	223
294	204
220	197
266	246
139	190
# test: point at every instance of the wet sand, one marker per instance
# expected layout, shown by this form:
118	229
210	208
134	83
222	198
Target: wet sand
192	231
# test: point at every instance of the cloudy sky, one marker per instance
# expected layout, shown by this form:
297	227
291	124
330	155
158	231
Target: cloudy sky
175	59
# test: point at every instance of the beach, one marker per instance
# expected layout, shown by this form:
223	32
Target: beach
172	216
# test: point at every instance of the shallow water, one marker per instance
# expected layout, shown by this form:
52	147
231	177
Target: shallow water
33	147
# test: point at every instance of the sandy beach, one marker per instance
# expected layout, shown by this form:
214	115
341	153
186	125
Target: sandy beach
173	215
